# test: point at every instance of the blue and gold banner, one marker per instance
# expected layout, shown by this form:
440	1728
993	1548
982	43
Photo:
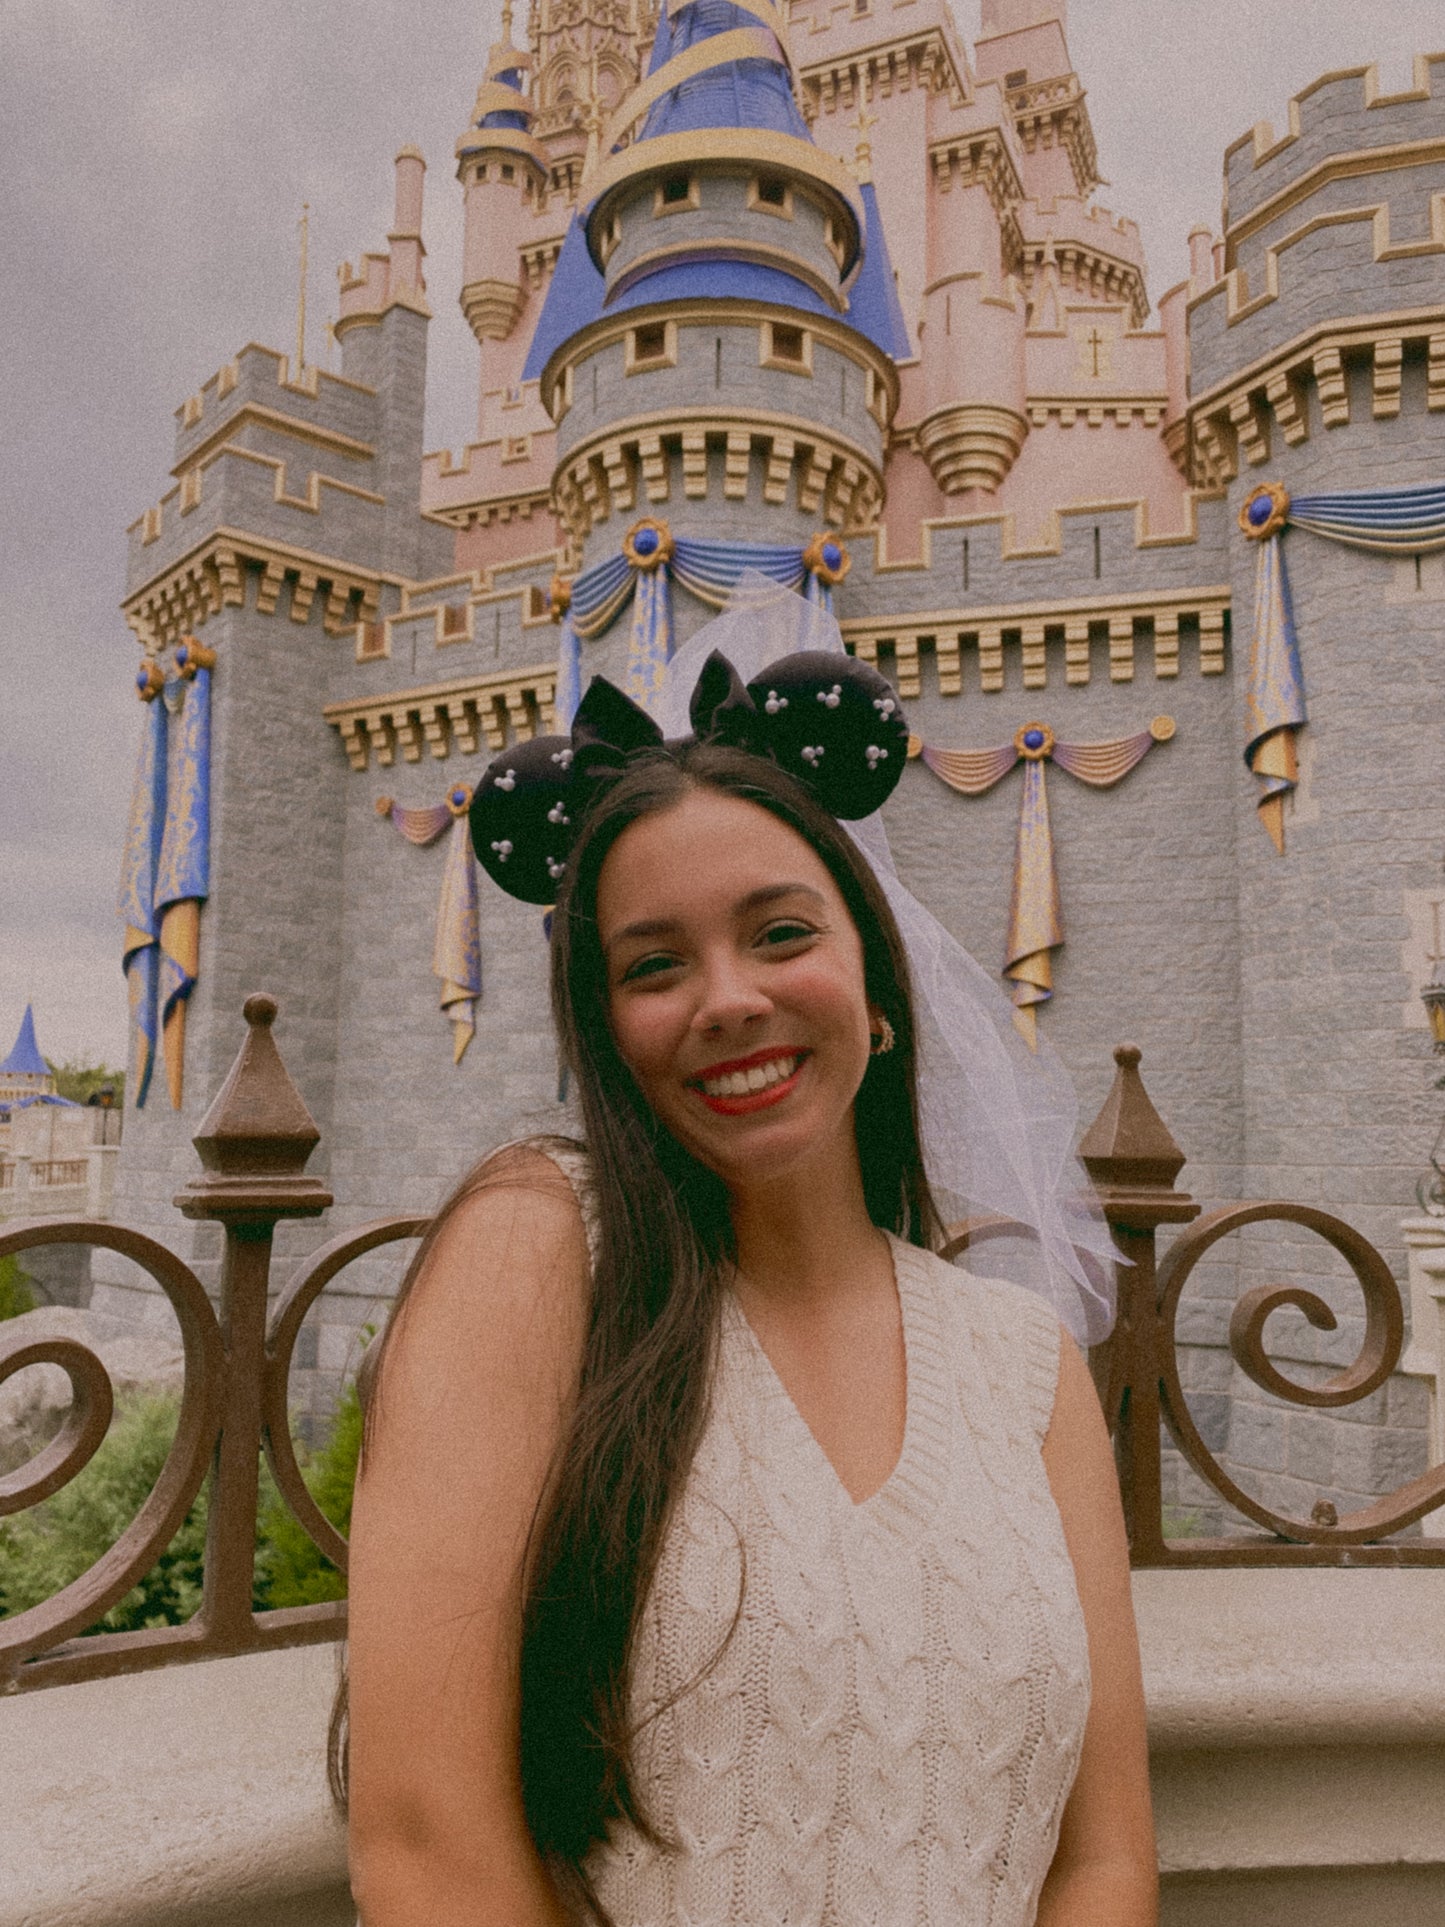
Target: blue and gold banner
708	570
1036	919
1405	520
457	952
567	691
140	956
183	876
649	549
457	949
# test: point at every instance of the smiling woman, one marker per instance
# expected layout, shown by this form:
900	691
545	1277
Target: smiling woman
720	1553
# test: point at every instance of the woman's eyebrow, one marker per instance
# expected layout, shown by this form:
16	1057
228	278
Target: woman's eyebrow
770	893
754	900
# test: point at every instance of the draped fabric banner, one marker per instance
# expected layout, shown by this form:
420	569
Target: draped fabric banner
183	877
569	675
457	950
1408	520
1274	696
650	649
140	956
651	559
1036	922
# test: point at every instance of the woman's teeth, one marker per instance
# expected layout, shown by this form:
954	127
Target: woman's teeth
741	1083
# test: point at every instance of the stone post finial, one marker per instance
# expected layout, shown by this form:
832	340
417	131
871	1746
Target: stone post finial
256	1138
1129	1151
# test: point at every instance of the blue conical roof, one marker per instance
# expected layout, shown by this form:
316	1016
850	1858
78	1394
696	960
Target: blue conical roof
25	1059
742	93
873	305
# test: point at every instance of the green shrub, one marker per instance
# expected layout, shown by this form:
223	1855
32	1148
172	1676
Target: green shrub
53	1543
291	1570
16	1297
44	1549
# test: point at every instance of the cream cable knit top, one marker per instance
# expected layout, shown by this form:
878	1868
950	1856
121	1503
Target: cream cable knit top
890	1733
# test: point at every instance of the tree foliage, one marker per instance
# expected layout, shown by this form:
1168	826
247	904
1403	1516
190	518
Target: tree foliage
80	1081
16	1295
44	1549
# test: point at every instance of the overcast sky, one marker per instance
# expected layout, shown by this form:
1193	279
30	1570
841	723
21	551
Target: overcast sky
155	155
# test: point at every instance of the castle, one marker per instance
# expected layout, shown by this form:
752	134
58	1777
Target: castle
821	290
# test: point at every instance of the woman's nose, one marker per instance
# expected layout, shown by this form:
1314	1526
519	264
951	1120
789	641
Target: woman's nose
731	994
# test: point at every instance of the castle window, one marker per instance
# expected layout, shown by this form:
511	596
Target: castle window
772	194
784	346
674	192
833	240
509	173
1018	78
653	344
611	238
454	621
861	8
371	644
481	173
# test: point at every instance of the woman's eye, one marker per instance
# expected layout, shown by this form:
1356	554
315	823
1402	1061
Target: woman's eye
787	930
650	966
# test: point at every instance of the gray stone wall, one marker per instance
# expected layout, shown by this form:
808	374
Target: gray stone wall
724	214
1337	1110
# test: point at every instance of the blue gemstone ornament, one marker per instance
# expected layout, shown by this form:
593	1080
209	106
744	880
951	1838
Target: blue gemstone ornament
1260	510
1034	738
645	541
832	554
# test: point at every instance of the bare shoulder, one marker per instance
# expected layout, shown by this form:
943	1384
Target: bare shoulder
501	1293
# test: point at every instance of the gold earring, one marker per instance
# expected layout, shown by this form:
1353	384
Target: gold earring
881	1040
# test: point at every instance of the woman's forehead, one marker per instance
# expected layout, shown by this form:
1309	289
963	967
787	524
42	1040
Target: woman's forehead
707	852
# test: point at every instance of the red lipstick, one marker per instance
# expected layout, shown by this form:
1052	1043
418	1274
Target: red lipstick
749	1101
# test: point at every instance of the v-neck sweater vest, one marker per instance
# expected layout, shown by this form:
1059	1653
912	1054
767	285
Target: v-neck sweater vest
862	1715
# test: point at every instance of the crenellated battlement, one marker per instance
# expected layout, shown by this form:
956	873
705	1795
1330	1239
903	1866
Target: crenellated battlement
1339	226
260	380
1341	113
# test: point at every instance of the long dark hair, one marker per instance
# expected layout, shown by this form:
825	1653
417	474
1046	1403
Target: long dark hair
664	1232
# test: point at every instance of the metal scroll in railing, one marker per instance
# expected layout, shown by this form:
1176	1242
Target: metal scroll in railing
254	1145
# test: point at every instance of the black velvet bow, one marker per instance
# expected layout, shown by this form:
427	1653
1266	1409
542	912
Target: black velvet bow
830	721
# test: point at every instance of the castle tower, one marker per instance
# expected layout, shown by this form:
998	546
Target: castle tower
273	560
1318	364
715	347
503	172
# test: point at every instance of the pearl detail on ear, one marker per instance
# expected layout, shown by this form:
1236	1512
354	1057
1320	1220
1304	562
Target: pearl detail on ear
775	702
812	753
875	755
503	849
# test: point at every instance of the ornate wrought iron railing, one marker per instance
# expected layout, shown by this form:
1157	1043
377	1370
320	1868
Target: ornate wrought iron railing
254	1144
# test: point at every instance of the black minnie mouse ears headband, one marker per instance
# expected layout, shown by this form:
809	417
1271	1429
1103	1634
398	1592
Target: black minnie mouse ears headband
830	721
